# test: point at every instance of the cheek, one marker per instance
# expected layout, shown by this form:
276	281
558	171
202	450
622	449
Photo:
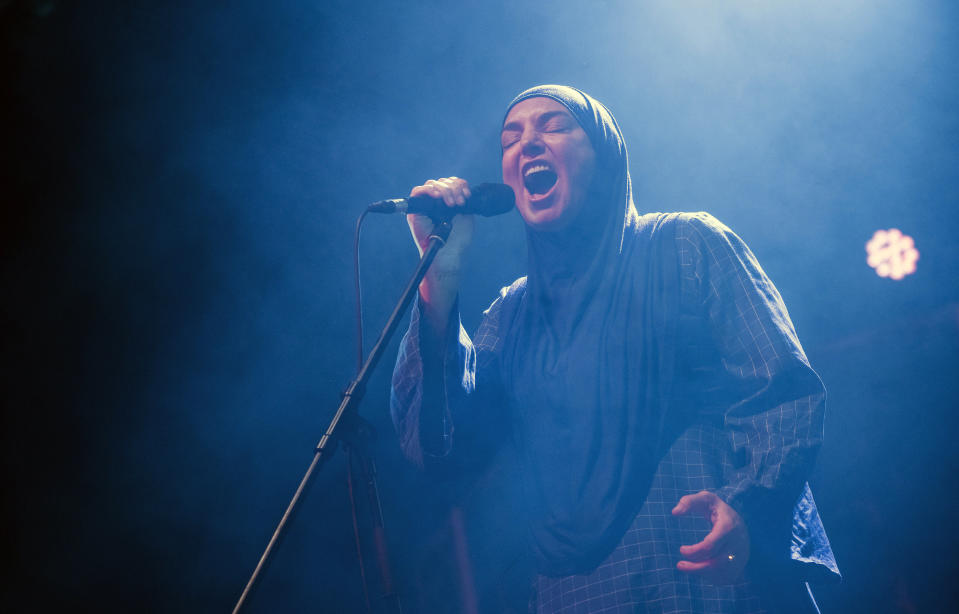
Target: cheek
585	167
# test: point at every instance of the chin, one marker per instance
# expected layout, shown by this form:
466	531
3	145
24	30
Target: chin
544	220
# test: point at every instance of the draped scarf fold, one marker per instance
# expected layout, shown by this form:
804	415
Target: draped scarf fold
588	357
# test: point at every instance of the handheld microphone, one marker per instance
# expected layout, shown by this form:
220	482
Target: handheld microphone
485	199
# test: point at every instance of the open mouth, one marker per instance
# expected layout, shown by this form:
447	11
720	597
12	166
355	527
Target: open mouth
539	179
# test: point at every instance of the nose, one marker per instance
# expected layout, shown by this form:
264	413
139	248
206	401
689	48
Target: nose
530	143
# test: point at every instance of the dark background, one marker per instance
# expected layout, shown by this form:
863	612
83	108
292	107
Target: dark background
180	183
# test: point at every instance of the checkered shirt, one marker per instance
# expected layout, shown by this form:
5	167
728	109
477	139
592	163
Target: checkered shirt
762	421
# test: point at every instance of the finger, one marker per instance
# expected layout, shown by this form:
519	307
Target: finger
701	501
698	568
439	188
429	189
455	186
711	545
421	190
461	186
432	189
445	190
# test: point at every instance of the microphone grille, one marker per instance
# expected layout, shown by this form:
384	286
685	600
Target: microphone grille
492	199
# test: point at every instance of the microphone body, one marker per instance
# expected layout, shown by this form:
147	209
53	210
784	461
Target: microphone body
486	199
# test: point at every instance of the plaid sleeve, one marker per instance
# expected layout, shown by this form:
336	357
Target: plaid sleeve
430	394
773	403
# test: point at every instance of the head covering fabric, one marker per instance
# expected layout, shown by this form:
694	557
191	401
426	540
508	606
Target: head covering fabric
587	361
611	185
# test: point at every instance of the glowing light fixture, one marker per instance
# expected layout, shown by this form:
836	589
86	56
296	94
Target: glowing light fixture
892	253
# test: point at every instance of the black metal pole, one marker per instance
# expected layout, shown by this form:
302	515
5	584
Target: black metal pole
351	398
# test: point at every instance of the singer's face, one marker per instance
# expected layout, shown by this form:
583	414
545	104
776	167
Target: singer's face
548	161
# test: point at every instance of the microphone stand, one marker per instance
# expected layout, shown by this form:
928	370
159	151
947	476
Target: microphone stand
346	418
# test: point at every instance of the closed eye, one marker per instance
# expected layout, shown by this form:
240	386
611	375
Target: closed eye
557	124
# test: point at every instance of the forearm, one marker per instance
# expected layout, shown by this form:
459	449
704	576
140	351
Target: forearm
438	292
418	397
442	378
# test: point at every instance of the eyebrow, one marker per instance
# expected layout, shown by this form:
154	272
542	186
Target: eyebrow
545	117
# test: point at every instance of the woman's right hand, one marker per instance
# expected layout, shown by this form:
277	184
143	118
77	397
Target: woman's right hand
454	192
439	288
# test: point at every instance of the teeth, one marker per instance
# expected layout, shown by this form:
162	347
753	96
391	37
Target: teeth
536	169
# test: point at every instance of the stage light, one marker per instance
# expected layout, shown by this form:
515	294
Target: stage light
892	254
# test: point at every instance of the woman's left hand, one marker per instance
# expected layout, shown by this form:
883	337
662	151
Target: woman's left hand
722	555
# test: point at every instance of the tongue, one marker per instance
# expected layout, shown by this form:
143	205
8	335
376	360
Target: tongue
540	182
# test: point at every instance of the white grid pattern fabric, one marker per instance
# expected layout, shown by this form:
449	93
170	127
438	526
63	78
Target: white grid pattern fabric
640	575
761	416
